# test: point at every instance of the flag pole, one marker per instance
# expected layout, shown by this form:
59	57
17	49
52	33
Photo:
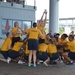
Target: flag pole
34	4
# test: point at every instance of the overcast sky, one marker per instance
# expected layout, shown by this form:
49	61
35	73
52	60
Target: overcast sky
66	7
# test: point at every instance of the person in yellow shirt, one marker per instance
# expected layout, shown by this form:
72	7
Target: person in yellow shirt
15	51
70	57
56	36
41	25
33	33
52	50
6	46
62	41
41	54
44	36
16	31
60	46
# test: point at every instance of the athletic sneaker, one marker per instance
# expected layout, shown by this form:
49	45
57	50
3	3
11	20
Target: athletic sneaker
20	62
70	63
39	62
45	63
8	60
34	65
29	65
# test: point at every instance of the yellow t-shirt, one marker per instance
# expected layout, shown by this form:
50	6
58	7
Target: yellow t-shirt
18	34
5	46
52	48
26	49
71	45
42	47
34	33
62	42
40	27
17	46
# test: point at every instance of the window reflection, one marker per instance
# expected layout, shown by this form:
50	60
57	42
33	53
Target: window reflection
8	24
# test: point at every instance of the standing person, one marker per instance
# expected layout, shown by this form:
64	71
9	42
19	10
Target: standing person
16	33
6	47
33	33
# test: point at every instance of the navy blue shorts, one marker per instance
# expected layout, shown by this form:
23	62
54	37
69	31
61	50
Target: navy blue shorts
42	56
14	54
32	44
71	55
26	57
5	54
54	56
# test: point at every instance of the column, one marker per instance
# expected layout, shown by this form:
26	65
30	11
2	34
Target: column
54	16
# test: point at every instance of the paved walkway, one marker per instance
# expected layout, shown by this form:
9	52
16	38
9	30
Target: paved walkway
15	69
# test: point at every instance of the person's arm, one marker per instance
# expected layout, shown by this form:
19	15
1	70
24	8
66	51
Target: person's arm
9	46
45	18
41	19
21	30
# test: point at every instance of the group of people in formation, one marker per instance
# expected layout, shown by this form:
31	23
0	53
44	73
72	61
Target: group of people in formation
37	47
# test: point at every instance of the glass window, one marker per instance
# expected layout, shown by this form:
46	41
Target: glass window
26	24
63	22
69	22
6	26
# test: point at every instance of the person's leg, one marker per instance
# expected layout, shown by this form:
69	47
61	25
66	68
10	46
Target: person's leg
26	57
65	55
60	52
21	54
5	54
47	60
30	57
34	57
35	48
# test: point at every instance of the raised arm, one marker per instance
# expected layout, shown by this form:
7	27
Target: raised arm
41	19
45	17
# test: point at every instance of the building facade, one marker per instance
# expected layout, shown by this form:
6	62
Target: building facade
10	13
